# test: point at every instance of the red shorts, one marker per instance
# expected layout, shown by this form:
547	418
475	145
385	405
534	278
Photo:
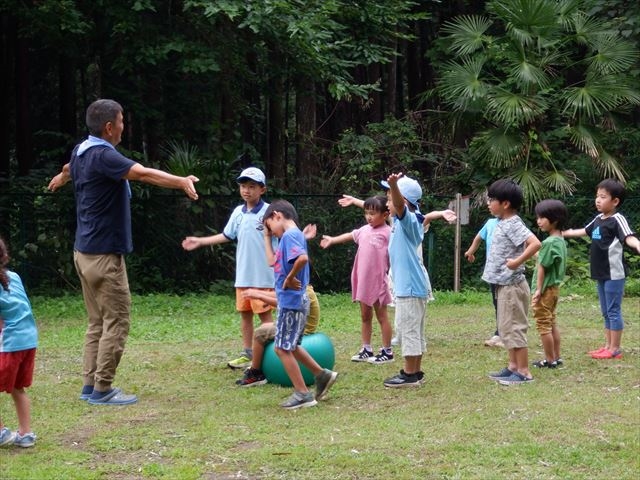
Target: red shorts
16	369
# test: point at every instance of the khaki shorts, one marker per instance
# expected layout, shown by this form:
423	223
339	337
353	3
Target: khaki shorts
513	307
251	304
265	333
545	310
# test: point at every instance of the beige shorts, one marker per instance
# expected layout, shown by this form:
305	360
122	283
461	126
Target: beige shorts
545	310
265	333
513	308
251	304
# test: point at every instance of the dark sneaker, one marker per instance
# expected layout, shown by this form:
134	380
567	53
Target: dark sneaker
402	380
299	400
544	364
515	379
559	362
115	396
501	375
381	358
252	377
324	381
362	356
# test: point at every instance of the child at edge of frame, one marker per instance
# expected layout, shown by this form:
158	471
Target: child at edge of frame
18	343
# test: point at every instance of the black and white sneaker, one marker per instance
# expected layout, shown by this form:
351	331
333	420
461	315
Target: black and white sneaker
402	380
362	356
381	358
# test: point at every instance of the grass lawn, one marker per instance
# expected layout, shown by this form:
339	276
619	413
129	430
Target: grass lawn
192	422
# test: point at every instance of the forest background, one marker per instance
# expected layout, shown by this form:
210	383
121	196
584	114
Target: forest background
327	97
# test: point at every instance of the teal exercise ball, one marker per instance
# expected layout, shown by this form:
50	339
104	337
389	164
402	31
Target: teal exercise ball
318	345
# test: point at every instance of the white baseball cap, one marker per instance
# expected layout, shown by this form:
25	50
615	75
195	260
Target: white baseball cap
252	173
409	188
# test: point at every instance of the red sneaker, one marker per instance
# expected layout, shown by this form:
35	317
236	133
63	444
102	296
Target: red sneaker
607	355
600	350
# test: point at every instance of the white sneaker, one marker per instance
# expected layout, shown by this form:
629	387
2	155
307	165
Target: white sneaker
494	341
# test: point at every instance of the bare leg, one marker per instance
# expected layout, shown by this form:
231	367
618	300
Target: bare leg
293	370
23	410
615	337
548	346
521	356
366	314
307	360
555	333
246	328
412	364
266	317
385	326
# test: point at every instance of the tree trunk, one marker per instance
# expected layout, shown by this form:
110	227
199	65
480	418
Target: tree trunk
305	127
390	90
375	107
7	39
24	139
67	107
413	71
275	132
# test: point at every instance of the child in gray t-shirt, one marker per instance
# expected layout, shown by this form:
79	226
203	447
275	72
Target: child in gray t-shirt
512	245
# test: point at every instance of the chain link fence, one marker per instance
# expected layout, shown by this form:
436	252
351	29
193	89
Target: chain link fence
39	228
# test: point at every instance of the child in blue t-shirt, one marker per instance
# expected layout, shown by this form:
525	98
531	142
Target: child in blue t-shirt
252	271
486	234
290	262
18	343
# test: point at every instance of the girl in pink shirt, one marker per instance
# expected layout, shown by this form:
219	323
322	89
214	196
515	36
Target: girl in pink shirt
369	279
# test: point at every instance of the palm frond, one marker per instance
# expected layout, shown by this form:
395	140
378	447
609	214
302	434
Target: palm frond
527	74
586	28
461	84
499	147
560	181
599	95
527	21
584	139
609	166
612	55
531	180
467	33
513	109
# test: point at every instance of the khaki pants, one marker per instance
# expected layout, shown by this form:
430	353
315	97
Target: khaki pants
105	288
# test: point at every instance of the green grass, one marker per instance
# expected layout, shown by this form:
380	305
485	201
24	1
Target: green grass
192	422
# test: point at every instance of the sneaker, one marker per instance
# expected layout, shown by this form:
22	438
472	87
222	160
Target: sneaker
324	381
252	377
382	357
115	396
25	441
559	361
6	436
545	364
607	354
599	350
494	341
86	393
362	356
242	362
420	375
402	380
501	375
299	400
515	379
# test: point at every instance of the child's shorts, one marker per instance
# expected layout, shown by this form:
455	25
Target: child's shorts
251	304
545	310
513	306
16	369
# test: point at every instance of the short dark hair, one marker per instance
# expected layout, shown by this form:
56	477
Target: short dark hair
553	210
287	210
99	113
506	189
614	187
377	203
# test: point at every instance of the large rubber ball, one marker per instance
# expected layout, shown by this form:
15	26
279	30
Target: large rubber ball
319	347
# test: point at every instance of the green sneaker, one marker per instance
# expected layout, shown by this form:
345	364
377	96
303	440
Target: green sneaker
242	362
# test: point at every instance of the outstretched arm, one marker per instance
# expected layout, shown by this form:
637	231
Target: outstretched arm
60	179
633	242
191	243
348	200
163	179
574	232
327	241
448	215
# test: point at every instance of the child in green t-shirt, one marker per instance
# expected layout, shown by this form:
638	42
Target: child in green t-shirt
551	215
